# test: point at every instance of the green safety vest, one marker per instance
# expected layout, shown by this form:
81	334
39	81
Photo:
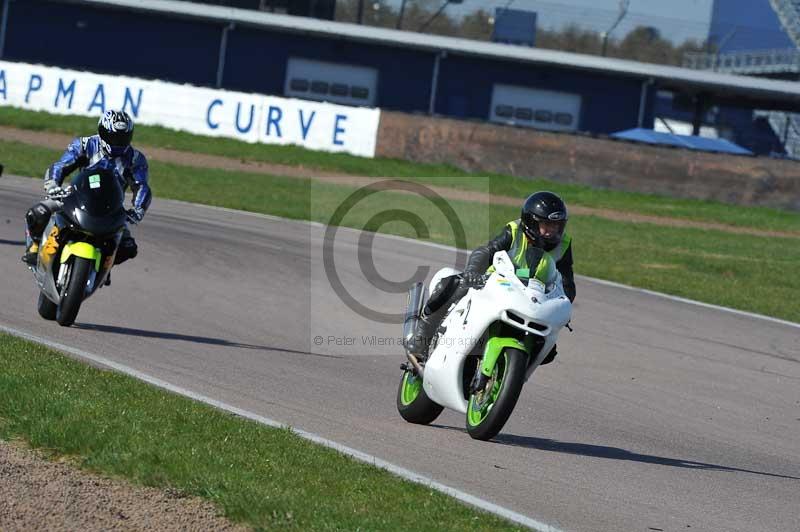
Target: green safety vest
545	269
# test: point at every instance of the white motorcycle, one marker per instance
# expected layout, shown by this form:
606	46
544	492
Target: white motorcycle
487	347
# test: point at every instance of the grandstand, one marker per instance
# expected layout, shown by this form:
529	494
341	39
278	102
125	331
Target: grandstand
788	12
755	53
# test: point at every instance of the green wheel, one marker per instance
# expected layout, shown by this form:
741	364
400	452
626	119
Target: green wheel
489	409
413	403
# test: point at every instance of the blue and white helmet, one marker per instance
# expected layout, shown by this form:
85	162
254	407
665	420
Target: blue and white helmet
116	132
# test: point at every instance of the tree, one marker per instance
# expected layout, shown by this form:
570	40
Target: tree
419	12
376	13
477	25
570	39
643	43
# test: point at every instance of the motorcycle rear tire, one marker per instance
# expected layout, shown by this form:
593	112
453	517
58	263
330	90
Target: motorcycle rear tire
72	295
47	309
413	403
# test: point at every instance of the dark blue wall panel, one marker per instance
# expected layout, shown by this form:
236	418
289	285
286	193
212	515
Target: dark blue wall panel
256	61
737	124
465	89
112	41
157	47
751	131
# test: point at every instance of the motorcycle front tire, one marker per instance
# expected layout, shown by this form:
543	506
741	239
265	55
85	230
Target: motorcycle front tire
487	423
72	294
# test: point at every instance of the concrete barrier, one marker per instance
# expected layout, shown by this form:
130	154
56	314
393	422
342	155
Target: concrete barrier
599	162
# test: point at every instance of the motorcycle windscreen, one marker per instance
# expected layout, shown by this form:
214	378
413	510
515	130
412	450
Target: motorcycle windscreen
97	204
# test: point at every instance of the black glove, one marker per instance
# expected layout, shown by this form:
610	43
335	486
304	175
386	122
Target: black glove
135	215
472	279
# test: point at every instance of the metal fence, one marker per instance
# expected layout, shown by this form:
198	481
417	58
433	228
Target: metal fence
787	128
788	12
746	62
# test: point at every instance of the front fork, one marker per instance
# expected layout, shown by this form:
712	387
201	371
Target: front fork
491	353
102	267
83	250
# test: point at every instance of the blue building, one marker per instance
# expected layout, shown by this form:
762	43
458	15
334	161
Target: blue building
754	38
746	25
251	51
325	9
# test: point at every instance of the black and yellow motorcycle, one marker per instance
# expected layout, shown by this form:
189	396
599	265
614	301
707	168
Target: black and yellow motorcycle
79	244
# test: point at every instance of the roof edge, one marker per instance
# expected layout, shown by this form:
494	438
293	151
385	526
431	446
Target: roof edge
784	90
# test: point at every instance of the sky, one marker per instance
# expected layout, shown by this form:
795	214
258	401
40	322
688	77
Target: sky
677	20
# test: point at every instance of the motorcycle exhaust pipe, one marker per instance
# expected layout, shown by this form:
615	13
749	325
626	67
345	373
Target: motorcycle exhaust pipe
416	297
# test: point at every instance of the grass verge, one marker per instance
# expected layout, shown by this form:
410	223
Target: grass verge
711	266
444	175
268	478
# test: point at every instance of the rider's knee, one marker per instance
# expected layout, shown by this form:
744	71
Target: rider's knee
37	217
444	291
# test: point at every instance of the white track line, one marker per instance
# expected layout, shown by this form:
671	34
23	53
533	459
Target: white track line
402	472
354	453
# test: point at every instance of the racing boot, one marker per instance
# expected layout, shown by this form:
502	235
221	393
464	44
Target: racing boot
550	356
426	326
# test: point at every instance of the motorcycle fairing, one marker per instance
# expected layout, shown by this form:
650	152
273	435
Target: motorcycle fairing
495	346
84	250
47	266
48	251
504	300
89	224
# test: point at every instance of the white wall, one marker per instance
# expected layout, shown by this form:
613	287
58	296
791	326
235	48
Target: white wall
217	113
536	108
331	82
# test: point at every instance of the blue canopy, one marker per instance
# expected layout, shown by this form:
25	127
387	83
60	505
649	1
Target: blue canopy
684	141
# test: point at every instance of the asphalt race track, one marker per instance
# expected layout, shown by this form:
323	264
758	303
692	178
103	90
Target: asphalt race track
657	415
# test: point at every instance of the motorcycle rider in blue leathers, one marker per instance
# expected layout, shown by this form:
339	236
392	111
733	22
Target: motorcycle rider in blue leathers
111	150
